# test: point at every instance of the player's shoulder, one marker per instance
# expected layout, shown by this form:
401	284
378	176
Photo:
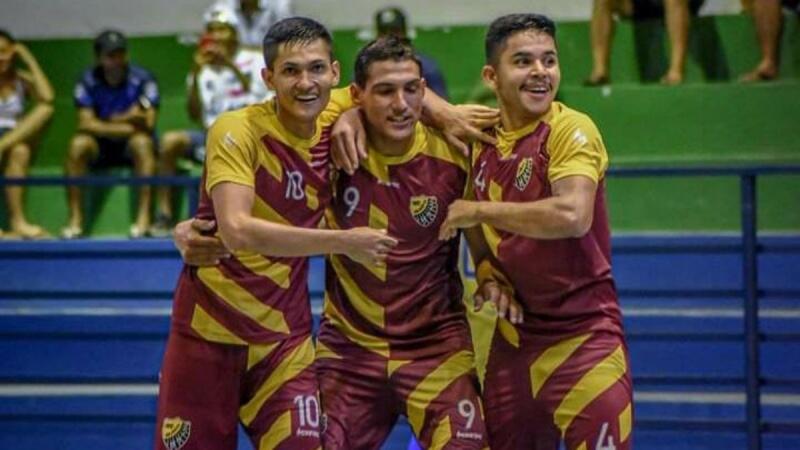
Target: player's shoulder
566	119
249	119
138	74
88	77
433	144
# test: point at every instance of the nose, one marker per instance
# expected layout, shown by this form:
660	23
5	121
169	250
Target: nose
305	81
399	103
537	67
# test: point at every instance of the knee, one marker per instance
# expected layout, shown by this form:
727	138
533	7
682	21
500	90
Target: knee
79	147
173	143
20	154
141	143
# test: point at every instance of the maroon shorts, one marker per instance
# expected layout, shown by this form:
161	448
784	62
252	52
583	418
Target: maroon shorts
363	392
207	389
540	390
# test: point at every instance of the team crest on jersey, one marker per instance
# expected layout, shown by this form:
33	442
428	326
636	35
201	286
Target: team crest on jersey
524	172
424	209
175	432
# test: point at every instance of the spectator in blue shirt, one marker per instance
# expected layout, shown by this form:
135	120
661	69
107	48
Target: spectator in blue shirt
393	21
117	104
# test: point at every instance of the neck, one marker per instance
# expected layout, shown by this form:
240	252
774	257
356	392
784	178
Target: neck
296	127
387	146
513	121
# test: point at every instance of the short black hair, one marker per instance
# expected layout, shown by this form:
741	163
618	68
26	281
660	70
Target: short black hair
385	48
504	27
7	36
294	30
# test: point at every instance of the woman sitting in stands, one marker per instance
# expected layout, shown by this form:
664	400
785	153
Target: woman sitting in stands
21	79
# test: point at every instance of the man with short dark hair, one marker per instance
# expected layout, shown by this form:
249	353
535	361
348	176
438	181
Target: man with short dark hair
240	348
561	373
394	340
117	106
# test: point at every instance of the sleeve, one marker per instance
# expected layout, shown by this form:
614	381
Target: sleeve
340	101
576	148
150	91
231	153
83	98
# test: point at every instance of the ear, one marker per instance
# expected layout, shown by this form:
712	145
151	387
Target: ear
423	85
336	72
489	76
266	75
355	93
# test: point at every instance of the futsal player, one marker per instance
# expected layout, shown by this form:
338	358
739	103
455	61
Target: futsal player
563	372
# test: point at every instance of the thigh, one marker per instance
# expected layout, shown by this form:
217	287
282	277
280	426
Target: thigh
515	418
584	382
198	398
357	403
442	401
280	396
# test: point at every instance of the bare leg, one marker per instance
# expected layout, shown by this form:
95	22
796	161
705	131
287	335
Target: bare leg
82	148
677	18
602	30
768	21
17	167
144	163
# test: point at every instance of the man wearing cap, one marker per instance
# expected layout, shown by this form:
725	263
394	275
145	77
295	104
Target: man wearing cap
392	21
224	77
117	104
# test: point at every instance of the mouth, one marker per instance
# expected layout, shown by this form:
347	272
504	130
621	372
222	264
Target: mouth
400	121
306	99
536	89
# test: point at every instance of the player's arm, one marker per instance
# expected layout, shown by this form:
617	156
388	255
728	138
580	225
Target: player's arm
239	231
459	124
493	286
567	214
35	119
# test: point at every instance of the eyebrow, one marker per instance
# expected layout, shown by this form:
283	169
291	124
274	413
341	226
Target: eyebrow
297	64
529	54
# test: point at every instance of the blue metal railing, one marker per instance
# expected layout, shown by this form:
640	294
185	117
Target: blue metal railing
752	336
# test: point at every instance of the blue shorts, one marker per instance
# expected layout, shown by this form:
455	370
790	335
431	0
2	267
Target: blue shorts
197	148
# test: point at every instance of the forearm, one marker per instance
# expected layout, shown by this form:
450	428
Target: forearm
101	128
194	105
244	79
434	109
550	218
273	239
29	126
44	90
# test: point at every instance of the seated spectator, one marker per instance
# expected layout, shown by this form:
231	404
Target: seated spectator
117	104
254	17
21	79
223	77
676	16
768	19
393	21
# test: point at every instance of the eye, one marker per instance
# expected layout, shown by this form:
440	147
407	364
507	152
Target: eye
318	68
550	61
522	62
289	71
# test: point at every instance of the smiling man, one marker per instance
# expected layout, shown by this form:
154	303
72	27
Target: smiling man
394	340
563	372
240	347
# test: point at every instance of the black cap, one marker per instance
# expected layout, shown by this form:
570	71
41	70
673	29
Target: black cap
108	41
390	20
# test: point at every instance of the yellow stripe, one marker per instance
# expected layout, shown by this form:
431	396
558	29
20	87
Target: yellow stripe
378	219
442	434
263	210
271	164
492	238
438	148
551	359
279	431
367	307
241	300
323	351
590	386
625	419
508	331
433	384
495	192
312	199
365	340
211	330
298	360
395	364
582	446
257	352
279	273
379	169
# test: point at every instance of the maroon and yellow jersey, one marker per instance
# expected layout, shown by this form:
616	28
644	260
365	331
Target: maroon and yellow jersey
415	300
565	285
253	298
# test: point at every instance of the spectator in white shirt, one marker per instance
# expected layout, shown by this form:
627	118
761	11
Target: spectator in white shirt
255	17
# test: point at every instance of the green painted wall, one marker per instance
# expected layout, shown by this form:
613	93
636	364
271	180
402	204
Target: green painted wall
710	119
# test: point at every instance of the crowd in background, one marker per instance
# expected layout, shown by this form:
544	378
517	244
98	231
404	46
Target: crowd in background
117	101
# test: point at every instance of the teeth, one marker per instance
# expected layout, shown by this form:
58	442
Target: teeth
306	97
